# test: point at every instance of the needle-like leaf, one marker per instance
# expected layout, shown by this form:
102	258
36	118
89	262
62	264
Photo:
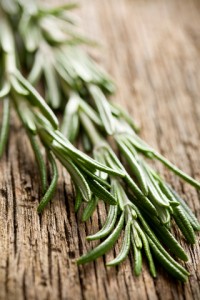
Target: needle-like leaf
125	247
51	190
108	225
104	246
5	125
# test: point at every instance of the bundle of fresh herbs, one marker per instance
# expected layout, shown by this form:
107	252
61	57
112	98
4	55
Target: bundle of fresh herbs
40	123
141	203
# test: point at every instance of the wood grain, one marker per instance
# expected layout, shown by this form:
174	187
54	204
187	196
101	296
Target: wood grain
152	49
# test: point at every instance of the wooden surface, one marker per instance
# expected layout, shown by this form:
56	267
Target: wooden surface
152	49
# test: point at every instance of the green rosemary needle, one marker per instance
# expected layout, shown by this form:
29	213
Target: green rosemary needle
5	125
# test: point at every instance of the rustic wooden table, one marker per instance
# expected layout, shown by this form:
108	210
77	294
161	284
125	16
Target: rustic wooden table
152	49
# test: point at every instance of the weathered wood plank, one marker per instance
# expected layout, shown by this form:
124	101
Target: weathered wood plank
152	50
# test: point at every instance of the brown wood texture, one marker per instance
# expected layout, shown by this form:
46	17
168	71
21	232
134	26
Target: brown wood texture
152	49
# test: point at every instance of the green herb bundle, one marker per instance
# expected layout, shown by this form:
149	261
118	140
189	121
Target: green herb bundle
141	203
40	123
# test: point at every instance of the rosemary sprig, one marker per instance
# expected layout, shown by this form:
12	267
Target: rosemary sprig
136	231
73	80
41	123
160	195
77	72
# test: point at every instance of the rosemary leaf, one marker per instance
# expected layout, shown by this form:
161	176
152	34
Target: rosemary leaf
51	190
5	125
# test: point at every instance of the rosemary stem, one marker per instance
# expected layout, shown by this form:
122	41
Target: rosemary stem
90	129
8	44
10	63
